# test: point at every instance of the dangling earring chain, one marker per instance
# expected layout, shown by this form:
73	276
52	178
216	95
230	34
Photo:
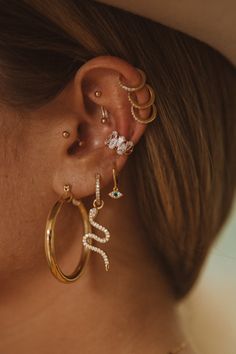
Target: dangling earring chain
93	212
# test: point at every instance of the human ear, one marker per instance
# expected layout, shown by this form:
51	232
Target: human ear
84	154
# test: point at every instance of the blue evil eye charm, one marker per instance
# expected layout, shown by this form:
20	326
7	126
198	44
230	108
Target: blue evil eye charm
115	194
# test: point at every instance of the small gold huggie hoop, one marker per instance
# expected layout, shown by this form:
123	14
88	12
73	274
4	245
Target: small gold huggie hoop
144	105
139	87
146	120
50	237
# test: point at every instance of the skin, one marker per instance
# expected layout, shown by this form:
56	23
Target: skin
129	309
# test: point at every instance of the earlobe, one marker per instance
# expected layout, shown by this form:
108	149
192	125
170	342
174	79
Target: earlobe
102	104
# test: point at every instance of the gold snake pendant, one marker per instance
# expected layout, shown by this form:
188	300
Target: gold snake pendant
92	215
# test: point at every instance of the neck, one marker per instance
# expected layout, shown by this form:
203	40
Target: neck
130	307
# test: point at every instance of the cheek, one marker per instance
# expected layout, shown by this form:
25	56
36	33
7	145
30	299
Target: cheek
25	200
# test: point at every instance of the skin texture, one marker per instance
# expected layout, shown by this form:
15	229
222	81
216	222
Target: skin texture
129	309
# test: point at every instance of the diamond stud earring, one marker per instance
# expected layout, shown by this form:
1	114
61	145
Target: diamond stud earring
115	194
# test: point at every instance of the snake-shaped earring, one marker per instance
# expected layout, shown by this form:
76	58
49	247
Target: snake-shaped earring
93	212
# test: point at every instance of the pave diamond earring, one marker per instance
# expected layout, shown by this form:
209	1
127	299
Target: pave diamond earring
93	212
119	143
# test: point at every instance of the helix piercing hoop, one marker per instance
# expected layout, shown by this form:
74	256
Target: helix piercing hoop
115	194
49	242
145	105
146	120
137	88
135	105
93	212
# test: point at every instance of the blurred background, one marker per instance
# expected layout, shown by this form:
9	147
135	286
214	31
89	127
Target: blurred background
209	312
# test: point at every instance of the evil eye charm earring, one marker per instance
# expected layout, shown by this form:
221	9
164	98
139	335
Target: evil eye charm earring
115	194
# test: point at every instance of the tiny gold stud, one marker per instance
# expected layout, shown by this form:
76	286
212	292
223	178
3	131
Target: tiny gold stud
67	188
65	134
104	120
98	93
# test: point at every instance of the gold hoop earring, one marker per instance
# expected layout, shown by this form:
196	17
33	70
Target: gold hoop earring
135	105
50	238
137	88
144	105
93	212
146	120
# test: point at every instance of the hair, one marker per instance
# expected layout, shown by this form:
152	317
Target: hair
184	166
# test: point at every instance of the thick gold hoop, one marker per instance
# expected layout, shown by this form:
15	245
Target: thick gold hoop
139	87
144	105
50	237
147	120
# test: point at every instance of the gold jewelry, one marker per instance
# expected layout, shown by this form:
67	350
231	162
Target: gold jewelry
137	88
105	115
119	143
98	93
146	120
136	105
93	212
50	237
144	105
115	194
65	134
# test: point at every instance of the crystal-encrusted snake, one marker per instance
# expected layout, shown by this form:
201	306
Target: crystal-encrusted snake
92	214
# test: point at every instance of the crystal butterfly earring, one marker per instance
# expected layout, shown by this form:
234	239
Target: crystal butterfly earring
115	194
